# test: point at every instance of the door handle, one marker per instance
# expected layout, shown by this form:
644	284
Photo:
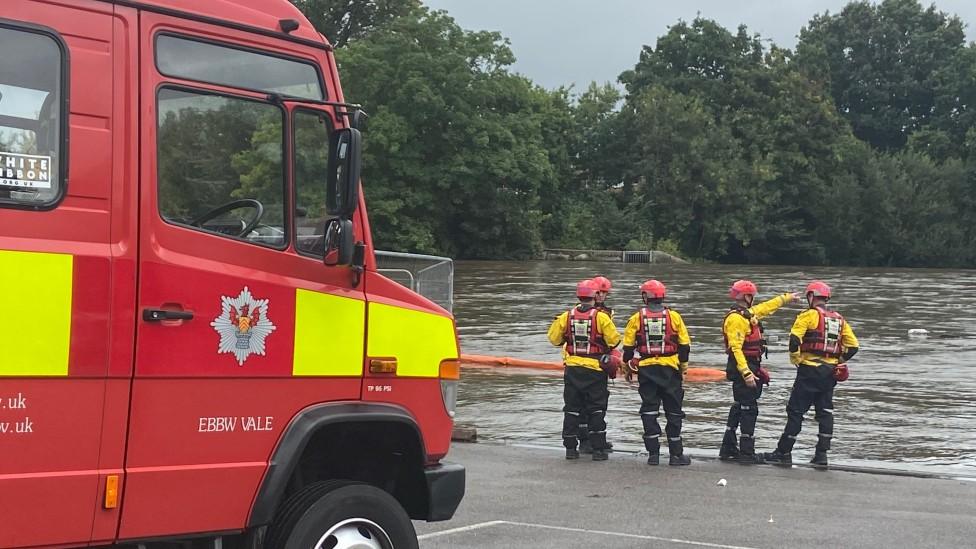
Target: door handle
157	315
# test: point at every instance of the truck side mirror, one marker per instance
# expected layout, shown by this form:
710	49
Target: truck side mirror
345	164
357	119
339	246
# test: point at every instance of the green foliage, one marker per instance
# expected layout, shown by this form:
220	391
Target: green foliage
342	21
459	148
893	68
668	246
732	143
642	243
857	149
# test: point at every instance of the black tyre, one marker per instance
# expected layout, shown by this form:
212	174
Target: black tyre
339	514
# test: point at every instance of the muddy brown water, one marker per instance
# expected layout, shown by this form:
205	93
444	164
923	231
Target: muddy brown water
910	402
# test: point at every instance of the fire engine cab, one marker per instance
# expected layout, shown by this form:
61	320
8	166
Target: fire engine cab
196	347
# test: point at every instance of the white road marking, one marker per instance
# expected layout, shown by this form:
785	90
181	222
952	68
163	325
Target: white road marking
579	531
461	529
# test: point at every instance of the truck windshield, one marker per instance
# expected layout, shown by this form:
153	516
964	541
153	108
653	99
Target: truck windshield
30	117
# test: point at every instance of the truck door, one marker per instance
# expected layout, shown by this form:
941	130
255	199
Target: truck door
67	272
240	323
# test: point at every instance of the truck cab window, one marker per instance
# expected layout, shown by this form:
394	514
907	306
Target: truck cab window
31	118
219	162
236	68
312	131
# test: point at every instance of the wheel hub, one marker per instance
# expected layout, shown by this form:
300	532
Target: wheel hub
355	533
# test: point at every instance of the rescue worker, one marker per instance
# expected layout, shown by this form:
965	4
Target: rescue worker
603	287
745	345
588	334
821	343
658	334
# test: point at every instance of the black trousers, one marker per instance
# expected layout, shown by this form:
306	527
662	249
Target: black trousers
583	431
585	392
745	408
657	385
814	386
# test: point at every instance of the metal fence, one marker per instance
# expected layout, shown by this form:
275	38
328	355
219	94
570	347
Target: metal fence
428	275
637	257
625	256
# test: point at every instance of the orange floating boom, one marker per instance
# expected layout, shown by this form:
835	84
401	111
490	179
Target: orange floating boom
694	374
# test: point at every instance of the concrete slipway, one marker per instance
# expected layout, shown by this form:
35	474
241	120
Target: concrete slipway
531	497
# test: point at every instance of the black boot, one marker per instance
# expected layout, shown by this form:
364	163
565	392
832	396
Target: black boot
819	458
747	451
653	446
585	447
598	440
782	454
728	453
779	458
730	444
572	453
677	451
679	460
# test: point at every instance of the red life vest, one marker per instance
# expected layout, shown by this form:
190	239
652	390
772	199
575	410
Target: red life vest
582	335
656	335
754	344
825	340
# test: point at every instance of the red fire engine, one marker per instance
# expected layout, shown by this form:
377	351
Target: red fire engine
195	341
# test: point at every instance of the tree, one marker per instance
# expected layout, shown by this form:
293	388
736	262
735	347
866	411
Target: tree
691	173
735	144
344	20
458	149
892	69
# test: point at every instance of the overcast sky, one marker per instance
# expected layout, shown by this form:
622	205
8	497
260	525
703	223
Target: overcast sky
561	42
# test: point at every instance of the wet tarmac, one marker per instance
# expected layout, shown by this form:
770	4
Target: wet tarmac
532	497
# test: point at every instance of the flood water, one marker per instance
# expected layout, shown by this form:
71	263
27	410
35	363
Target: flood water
910	402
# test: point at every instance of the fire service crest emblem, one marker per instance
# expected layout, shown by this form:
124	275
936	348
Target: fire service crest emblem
243	325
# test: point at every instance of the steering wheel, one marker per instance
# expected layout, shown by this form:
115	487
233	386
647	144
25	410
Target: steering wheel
230	206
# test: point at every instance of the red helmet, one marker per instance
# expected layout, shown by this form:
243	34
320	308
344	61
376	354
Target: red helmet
818	288
742	287
602	283
653	289
586	289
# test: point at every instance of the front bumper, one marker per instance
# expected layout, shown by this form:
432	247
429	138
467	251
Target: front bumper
445	488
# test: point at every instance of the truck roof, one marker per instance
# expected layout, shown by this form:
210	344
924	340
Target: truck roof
259	14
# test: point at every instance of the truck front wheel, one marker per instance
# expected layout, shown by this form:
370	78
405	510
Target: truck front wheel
338	514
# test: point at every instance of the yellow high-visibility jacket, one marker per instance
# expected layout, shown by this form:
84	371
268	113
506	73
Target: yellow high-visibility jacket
677	324
809	320
737	327
604	326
